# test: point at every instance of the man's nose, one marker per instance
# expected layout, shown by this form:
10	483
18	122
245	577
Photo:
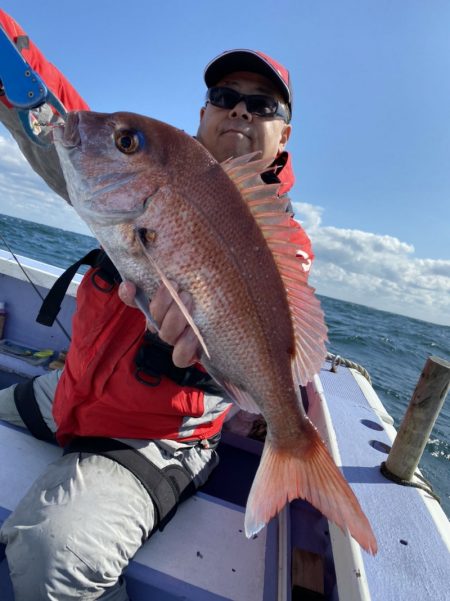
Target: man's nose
240	112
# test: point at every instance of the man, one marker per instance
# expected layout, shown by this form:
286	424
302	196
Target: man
77	528
228	132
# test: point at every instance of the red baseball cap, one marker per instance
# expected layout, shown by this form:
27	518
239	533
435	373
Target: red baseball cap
253	61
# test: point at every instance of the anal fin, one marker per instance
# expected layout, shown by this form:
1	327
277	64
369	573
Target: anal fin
241	398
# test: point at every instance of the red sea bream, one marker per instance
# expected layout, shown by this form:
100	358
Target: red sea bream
165	211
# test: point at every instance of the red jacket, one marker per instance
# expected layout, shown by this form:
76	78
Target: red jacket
98	393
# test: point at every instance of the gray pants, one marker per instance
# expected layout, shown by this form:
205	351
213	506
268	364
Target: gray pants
84	518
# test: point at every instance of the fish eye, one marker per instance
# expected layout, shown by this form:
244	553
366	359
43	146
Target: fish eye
127	140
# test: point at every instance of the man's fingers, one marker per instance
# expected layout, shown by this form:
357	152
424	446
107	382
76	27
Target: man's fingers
173	325
174	322
187	349
161	302
127	292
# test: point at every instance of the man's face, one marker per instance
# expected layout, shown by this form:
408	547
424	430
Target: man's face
234	132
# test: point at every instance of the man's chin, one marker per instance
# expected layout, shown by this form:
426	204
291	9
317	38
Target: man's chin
228	151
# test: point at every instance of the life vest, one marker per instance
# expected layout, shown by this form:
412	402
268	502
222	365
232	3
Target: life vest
99	394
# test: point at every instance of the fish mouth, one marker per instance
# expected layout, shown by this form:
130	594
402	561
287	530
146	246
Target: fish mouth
68	133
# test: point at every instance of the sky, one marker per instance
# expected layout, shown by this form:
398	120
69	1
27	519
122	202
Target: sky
371	136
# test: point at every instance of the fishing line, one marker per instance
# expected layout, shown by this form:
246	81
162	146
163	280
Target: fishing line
31	282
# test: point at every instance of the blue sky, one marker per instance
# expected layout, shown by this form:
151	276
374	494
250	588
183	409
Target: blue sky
371	139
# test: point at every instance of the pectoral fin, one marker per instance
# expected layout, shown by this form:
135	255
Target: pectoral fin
174	294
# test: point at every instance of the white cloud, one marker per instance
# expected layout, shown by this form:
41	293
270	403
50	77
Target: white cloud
376	270
25	195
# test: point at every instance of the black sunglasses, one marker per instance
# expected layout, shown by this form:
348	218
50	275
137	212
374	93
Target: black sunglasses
257	104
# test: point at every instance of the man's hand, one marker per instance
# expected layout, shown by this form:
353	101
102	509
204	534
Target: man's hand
173	326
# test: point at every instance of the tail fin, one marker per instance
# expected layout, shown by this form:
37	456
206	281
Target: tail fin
285	474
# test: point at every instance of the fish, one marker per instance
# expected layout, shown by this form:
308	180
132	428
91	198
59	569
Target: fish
165	210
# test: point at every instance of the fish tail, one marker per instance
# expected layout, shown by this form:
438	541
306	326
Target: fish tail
285	474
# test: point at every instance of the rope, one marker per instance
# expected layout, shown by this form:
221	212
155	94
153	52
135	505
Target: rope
426	486
337	360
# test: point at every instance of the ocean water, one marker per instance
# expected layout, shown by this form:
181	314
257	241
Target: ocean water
391	347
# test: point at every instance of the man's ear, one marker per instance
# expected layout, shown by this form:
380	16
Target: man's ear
284	137
202	112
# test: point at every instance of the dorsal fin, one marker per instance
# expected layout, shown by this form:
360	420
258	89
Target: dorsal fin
278	230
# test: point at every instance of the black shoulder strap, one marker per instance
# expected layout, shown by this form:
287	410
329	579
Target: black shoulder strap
52	302
166	487
29	411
